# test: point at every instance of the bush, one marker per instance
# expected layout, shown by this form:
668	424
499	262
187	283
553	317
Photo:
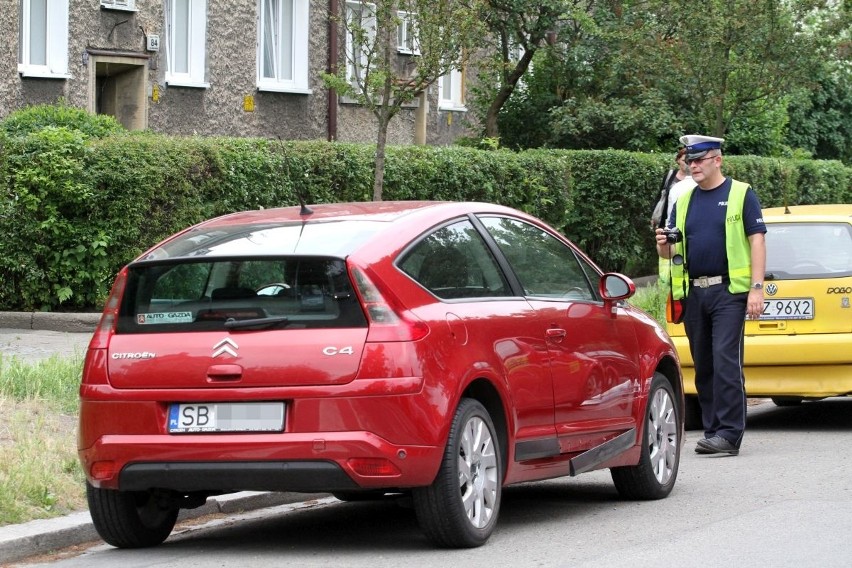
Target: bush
34	118
76	207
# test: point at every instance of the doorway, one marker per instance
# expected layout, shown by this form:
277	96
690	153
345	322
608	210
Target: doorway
117	87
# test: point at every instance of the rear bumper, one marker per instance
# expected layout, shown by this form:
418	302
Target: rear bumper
321	461
807	381
810	366
328	445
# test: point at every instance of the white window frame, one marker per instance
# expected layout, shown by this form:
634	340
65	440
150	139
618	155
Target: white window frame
406	42
299	22
455	101
195	37
353	64
55	46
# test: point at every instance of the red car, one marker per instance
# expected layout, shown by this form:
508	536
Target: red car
437	350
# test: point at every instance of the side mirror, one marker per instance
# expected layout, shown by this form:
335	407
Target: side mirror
614	287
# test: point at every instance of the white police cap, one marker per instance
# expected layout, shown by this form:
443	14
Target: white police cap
697	145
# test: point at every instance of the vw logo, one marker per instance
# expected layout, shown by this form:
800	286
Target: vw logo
771	289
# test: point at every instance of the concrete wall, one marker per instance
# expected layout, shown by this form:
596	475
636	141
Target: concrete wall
105	42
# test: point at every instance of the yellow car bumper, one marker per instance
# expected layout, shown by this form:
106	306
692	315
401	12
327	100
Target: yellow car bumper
809	366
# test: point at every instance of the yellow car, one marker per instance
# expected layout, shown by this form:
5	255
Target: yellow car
801	347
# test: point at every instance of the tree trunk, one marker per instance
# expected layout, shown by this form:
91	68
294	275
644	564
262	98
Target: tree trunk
381	142
506	90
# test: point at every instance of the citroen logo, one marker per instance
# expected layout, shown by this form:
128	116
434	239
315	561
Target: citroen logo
225	346
771	289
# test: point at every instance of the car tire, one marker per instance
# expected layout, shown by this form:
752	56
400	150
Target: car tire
692	413
460	508
130	519
787	400
655	474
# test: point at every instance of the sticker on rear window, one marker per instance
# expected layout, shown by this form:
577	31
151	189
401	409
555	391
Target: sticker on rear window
164	318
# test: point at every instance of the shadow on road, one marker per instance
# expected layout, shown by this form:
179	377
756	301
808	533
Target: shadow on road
822	415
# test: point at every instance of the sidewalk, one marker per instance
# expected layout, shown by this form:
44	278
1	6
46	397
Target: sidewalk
36	336
43	536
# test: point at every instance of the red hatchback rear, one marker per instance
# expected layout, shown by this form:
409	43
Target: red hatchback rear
438	350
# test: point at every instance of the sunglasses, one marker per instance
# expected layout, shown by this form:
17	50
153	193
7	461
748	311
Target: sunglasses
689	161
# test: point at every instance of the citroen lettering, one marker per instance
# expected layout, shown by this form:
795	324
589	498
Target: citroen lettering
139	355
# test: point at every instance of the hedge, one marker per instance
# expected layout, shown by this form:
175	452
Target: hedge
77	206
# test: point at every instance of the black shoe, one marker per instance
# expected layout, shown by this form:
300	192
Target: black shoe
717	445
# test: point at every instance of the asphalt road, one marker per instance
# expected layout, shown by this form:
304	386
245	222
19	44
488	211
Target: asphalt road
35	345
785	501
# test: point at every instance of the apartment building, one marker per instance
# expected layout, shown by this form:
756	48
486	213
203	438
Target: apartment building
207	67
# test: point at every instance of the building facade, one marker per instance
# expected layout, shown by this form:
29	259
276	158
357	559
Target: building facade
208	67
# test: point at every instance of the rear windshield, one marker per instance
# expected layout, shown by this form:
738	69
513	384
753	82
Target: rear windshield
808	250
239	293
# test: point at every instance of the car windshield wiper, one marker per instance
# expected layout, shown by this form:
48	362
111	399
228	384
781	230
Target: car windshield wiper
256	323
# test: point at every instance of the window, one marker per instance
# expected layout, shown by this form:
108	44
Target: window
405	34
360	35
296	292
808	250
186	37
454	262
451	91
283	46
43	43
547	268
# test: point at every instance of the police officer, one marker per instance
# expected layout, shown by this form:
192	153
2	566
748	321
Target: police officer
718	265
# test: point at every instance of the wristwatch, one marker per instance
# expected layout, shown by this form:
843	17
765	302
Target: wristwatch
757	286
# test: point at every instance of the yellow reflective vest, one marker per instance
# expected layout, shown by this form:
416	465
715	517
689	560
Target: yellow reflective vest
736	243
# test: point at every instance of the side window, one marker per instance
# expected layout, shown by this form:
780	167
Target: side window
545	266
43	39
453	262
186	42
283	46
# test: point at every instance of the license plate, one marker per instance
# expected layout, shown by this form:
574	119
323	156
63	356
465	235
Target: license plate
788	309
226	417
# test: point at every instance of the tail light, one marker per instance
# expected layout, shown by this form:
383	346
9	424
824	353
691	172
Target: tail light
109	317
95	367
388	320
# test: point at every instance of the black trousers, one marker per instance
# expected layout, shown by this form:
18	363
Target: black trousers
715	326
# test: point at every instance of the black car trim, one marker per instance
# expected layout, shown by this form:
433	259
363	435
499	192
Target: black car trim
536	449
300	476
590	459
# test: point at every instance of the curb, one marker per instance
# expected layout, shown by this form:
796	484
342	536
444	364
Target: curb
43	536
50	321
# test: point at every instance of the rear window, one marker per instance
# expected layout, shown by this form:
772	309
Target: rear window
239	293
808	250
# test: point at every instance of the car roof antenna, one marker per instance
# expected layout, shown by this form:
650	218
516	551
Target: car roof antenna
305	210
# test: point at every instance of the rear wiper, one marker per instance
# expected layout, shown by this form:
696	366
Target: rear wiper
256	323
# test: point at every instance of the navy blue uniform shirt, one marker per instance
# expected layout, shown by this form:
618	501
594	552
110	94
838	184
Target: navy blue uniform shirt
705	228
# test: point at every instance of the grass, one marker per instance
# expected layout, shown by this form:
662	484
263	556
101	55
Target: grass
40	475
652	299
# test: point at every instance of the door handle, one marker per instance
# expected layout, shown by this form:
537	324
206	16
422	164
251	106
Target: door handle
556	334
224	372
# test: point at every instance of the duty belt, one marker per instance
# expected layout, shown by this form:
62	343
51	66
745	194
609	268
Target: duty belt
707	281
